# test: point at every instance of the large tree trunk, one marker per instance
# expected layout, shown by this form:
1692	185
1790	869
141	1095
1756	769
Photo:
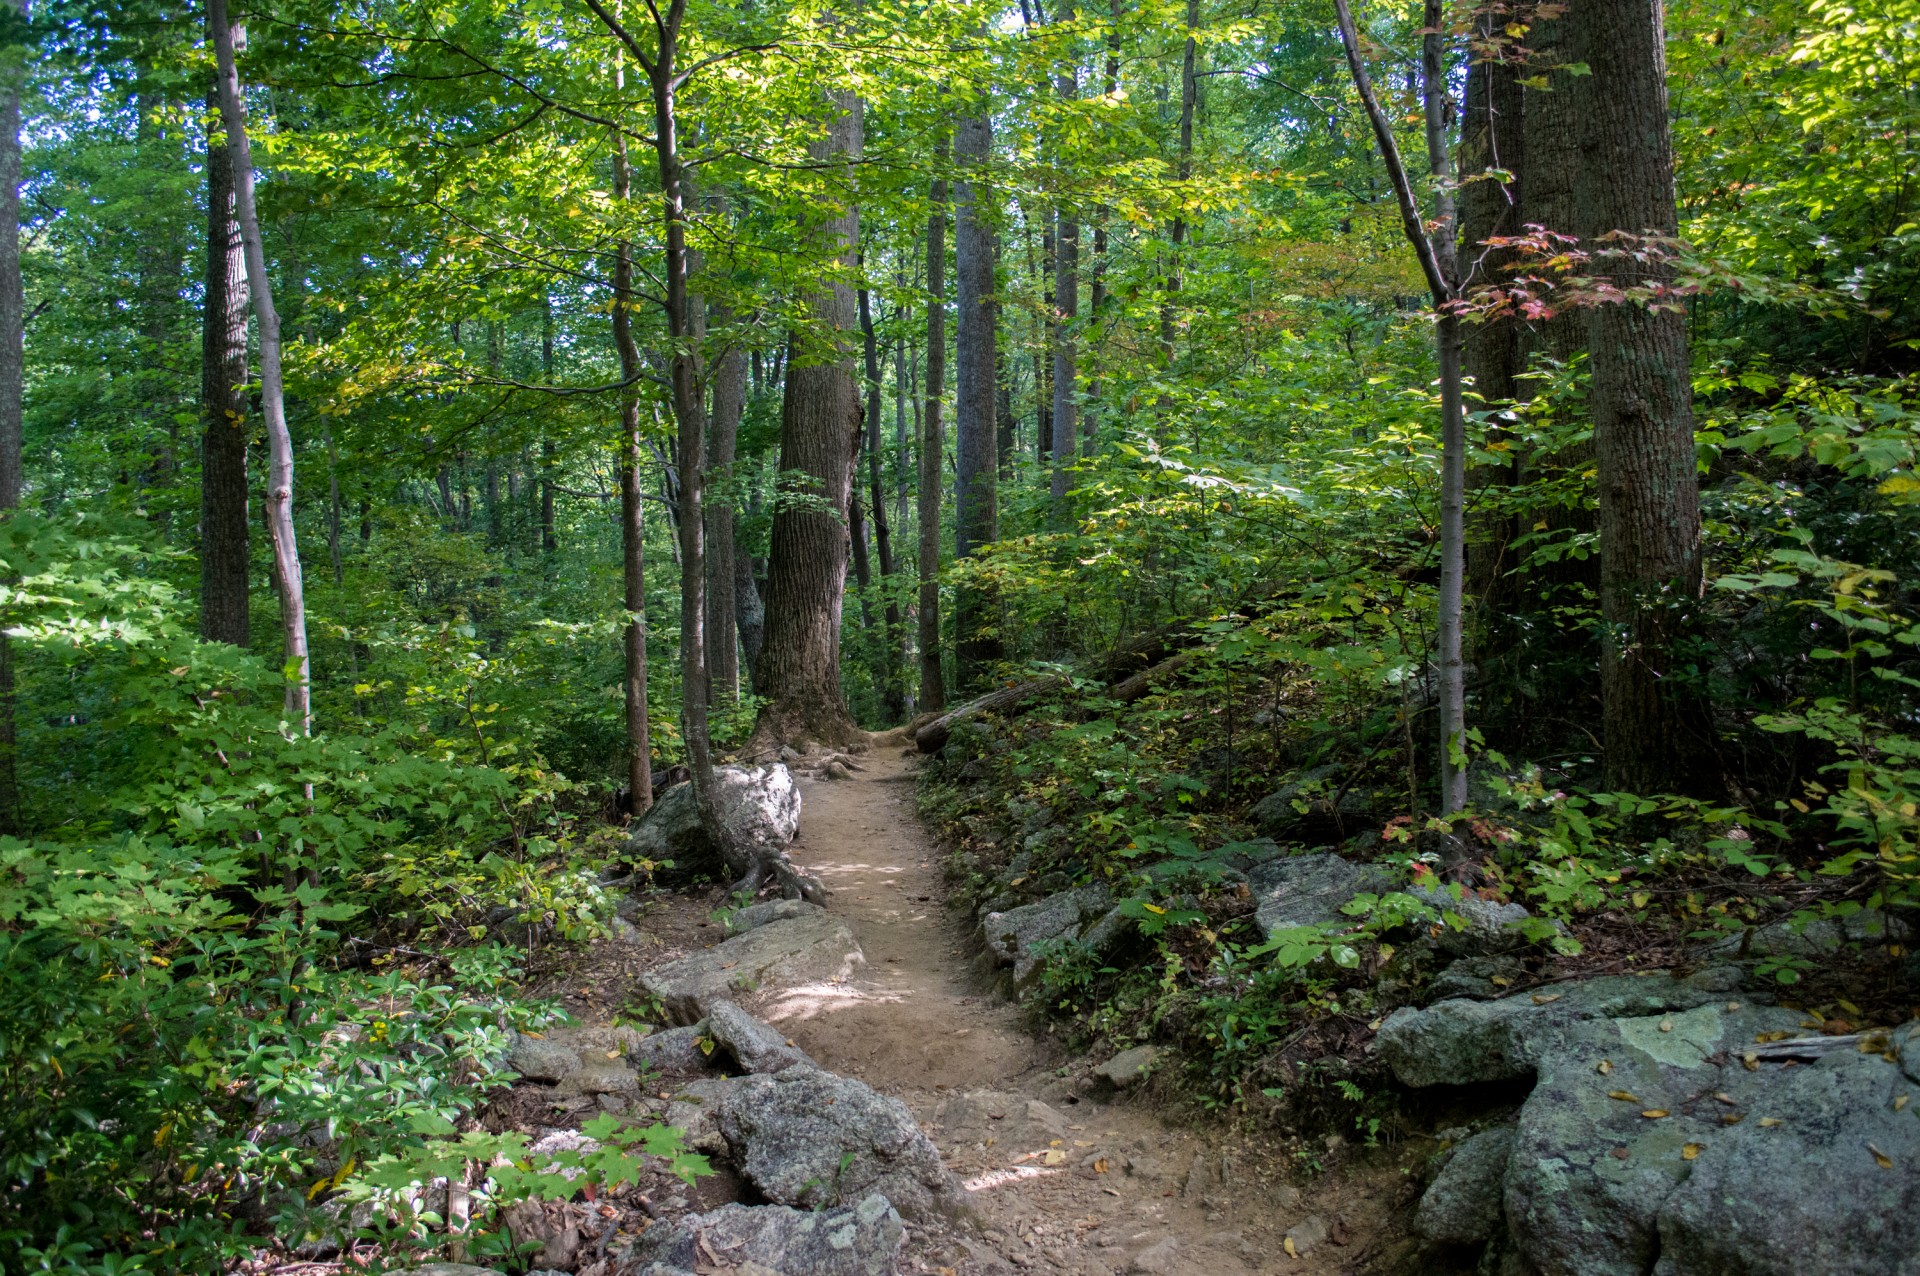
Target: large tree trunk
223	401
933	446
12	392
1658	734
1066	294
273	402
976	514
729	373
1183	173
799	669
892	690
223	482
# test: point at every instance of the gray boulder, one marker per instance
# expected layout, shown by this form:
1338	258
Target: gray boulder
1016	937
1307	890
541	1058
809	1138
1474	978
1129	1066
1460	1041
1818	937
798	950
769	910
772	1240
676	1050
601	1077
756	1046
760	804
1473	924
1305	809
450	1269
1462	1206
694	1110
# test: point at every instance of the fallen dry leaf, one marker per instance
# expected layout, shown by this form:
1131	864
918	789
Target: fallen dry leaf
1054	1156
1732	1118
1102	1165
1287	1245
1654	1114
1880	1158
1625	1096
1750	1061
1727	1099
1604	1067
1501	981
1542	998
1767	1123
1666	1024
1621	1154
1900	1103
1692	1151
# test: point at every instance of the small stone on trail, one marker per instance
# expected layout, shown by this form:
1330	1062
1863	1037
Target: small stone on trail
1308	1234
1162	1258
1129	1066
858	1240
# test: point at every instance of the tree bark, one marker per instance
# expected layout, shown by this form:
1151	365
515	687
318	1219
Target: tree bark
892	690
1440	265
1183	173
933	445
1066	315
1657	729
799	670
223	399
12	399
976	515
633	520
729	373
286	551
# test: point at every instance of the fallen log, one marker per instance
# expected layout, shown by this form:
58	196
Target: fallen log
1135	657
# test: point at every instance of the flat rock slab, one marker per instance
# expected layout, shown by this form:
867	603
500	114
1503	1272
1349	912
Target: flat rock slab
810	1138
797	950
1461	1041
772	1240
770	910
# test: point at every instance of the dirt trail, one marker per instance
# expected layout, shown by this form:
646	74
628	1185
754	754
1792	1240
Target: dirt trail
1064	1182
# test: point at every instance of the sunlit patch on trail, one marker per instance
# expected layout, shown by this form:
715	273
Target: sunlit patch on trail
1000	1178
811	1001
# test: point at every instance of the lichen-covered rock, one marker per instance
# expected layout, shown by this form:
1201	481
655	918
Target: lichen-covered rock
1306	890
769	910
1460	1041
759	804
798	950
1833	1188
756	1046
600	1077
810	1138
1462	1206
1818	937
1016	937
772	1240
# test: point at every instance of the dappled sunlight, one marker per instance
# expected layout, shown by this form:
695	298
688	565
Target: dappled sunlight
1000	1178
813	1001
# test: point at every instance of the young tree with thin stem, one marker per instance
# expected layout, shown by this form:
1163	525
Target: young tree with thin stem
1439	264
273	396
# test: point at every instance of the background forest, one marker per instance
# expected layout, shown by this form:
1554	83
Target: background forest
773	372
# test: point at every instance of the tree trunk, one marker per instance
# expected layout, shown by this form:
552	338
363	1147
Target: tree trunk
933	445
633	520
13	317
729	373
1440	265
976	515
1066	315
223	399
893	691
1183	173
799	669
549	541
1658	733
286	551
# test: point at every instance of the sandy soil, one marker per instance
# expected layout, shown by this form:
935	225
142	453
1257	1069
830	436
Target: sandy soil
1063	1180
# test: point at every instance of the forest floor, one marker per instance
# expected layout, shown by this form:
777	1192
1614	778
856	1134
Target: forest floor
1065	1174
